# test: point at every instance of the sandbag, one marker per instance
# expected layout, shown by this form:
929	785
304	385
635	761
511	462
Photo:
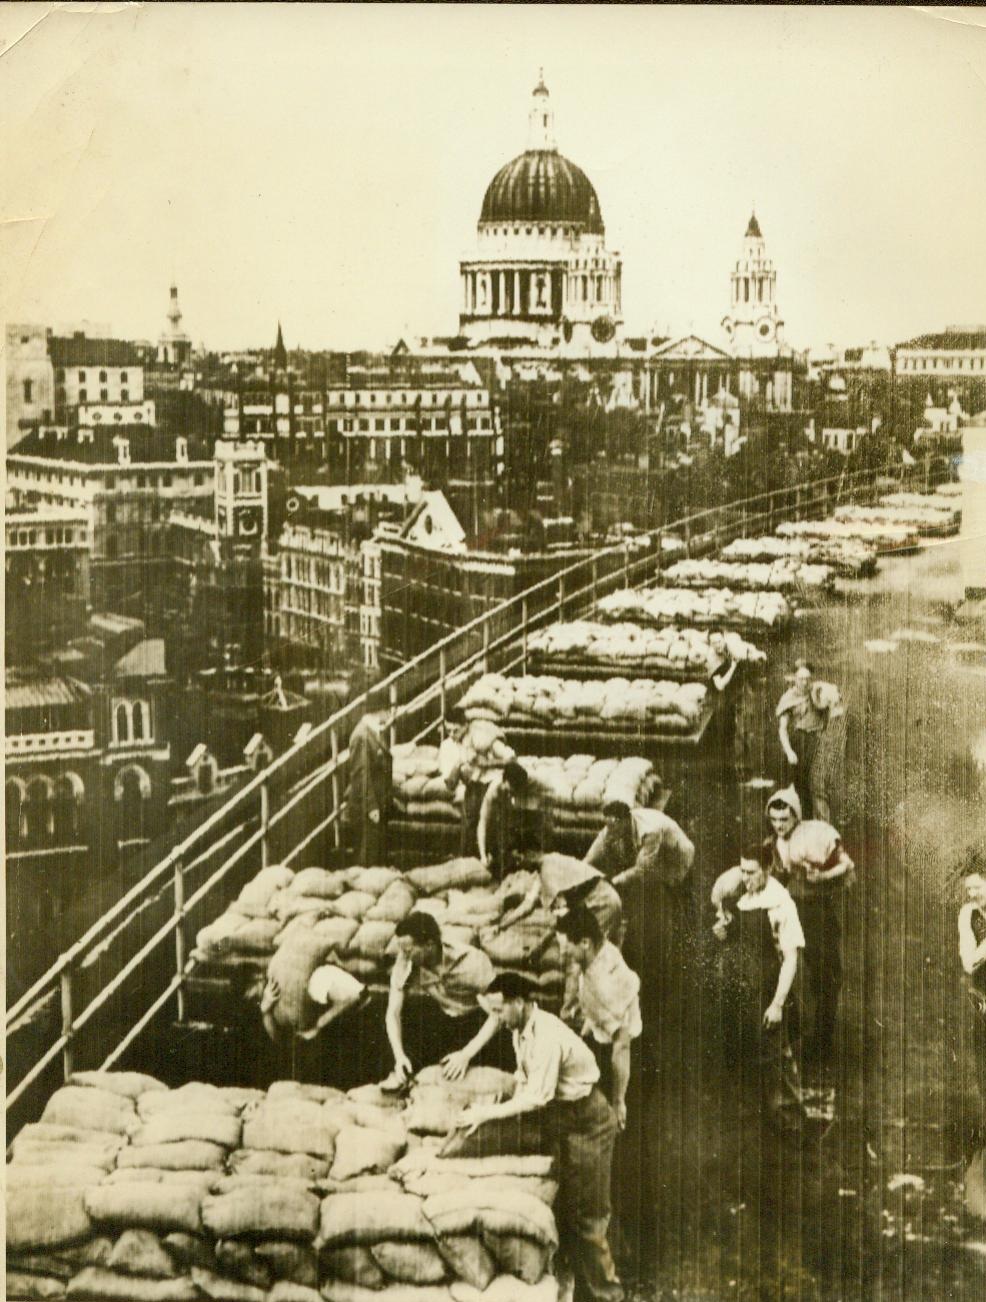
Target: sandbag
372	939
239	1261
394	904
358	1184
517	946
366	970
90	1109
189	1249
254	899
295	1263
291	1127
140	1252
293	1089
291	967
200	1180
259	1161
173	1127
196	1096
477	1083
372	880
498	1211
280	1208
433	1112
225	1290
516	1255
131	1084
373	1116
456	874
373	1094
475	1167
184	1155
63	1156
42	1217
427	1183
287	1291
171	1205
231	1183
42	1132
30	1287
467	1258
505	1136
354	1264
336	932
507	1288
359	1149
97	1284
254	936
337	1291
41	1264
49	1175
409	1263
318	882
372	1218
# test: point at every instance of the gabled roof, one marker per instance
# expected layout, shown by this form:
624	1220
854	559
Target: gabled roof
40	693
690	348
433	523
145	660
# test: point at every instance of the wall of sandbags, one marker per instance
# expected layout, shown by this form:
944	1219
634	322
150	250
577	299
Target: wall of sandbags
681	654
762	612
661	706
127	1191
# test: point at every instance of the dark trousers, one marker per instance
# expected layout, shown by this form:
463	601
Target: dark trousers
472	803
585	1135
823	971
371	843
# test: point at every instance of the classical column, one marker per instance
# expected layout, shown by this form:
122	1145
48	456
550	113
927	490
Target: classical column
518	303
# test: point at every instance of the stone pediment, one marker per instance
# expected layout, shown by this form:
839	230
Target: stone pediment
690	348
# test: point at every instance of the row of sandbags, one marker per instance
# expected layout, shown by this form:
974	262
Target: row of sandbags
847	557
577	787
682	606
587	643
348	917
569	702
781	575
937	501
883	536
927	521
126	1191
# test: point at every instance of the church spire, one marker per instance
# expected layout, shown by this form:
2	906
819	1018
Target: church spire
753	230
280	352
541	119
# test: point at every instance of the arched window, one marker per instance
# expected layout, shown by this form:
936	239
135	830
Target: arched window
67	808
123	722
137	717
15	801
38	812
131	790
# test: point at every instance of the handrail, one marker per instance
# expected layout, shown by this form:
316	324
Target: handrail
455	655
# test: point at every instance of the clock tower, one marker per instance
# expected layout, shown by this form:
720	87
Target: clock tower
241	492
753	324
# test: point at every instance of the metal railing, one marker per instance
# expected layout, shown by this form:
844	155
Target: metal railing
117	978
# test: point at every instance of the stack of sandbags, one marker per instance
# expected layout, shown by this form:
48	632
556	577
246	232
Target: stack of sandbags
549	702
937	501
588	646
313	1196
883	536
247	929
928	520
580	786
681	606
781	575
848	557
420	791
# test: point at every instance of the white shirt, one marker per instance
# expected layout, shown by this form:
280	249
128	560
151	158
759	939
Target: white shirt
331	985
552	1061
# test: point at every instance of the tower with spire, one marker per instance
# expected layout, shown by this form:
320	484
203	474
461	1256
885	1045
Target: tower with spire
174	346
280	352
753	324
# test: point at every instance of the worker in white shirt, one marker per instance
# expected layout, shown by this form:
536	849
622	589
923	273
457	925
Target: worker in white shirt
972	954
331	992
608	1003
558	1077
757	922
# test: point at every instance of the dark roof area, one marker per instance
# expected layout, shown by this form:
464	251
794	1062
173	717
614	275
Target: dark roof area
80	350
146	444
542	185
753	230
960	340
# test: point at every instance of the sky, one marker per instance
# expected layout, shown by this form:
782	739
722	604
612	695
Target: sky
325	165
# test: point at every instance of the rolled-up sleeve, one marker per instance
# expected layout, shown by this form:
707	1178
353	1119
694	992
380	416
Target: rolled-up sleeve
787	927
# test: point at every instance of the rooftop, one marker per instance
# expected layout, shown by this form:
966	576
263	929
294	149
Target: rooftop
99	446
81	350
954	338
145	660
23	693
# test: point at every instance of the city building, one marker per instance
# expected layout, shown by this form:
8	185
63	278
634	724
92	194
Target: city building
94	370
958	352
46	563
755	329
174	346
541	272
30	380
128	479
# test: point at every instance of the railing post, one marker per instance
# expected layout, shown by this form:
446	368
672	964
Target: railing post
442	673
392	728
67	1022
595	578
336	789
561	597
180	955
264	824
486	646
523	635
626	565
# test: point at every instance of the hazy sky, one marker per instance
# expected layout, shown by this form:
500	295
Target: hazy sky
326	165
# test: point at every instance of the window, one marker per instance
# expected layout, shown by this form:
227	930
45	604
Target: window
82	377
15	802
124	395
104	395
123	377
83	395
102	377
110	513
28	390
165	481
37	818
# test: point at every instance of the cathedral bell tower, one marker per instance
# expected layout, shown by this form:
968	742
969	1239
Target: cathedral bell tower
753	323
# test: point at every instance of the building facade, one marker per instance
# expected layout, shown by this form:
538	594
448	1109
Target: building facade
46	564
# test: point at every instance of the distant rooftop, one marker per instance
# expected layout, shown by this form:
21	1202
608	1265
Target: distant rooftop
958	338
41	693
96	445
81	350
